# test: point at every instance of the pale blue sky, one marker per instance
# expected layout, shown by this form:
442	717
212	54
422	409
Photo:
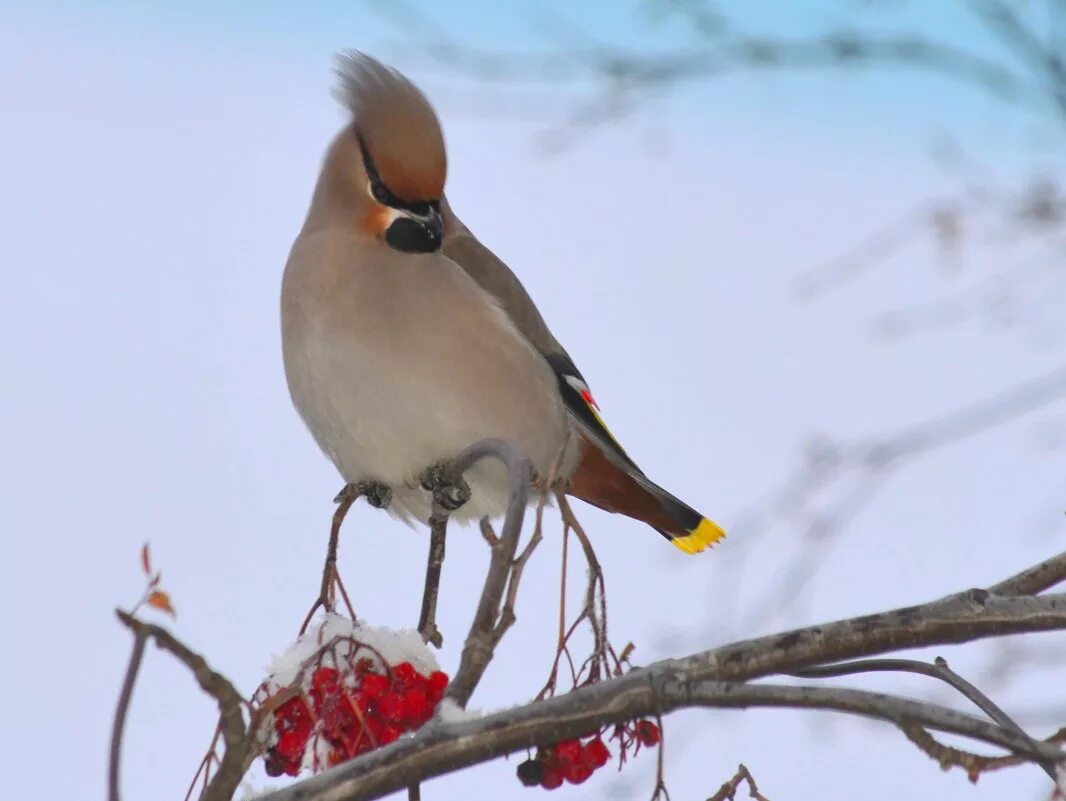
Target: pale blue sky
157	162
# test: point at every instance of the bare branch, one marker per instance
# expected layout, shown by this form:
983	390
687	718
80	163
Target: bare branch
485	629
442	748
729	789
121	712
348	495
1034	580
1005	22
938	670
240	746
714	679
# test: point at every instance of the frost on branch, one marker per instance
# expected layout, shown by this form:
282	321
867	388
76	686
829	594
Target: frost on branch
343	689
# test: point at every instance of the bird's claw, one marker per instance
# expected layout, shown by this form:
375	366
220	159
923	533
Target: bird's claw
449	493
377	494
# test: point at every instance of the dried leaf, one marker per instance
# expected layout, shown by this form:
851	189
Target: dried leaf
146	561
156	579
160	600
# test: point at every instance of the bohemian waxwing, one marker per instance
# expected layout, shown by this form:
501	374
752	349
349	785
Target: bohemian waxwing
406	340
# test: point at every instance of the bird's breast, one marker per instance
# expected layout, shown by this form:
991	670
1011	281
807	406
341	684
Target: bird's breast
399	363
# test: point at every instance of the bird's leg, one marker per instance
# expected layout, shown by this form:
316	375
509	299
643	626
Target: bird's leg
377	494
427	620
449	492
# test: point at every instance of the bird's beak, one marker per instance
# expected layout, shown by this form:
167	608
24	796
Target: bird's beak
415	233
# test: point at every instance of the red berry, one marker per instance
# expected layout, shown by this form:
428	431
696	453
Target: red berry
551	777
647	732
373	684
576	772
595	754
416	707
404	673
292	711
437	685
390	706
389	733
335	714
568	752
323	677
291	745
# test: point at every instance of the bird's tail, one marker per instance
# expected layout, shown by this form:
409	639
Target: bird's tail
616	488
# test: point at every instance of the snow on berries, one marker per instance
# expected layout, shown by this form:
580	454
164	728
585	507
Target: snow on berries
344	689
574	761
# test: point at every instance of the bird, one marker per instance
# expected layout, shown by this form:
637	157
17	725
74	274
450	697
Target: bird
405	340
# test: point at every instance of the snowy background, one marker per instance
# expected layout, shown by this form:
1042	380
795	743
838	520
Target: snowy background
156	163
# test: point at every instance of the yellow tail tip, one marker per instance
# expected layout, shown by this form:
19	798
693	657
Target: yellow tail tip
705	535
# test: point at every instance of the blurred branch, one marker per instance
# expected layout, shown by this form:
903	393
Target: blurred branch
716	678
862	468
1001	18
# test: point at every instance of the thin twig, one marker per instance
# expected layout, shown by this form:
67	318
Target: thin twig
121	711
240	742
938	670
660	793
326	597
487	534
947	756
1035	579
728	791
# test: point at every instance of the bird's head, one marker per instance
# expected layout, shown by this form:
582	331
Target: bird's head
391	158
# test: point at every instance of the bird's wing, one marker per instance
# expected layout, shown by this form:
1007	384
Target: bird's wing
605	476
496	278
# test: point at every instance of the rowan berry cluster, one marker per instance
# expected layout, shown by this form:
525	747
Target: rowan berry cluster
342	715
574	761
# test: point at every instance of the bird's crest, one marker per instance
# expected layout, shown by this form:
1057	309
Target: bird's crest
397	126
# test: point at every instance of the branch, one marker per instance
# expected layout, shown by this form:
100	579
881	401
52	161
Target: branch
121	711
729	789
713	679
443	748
488	625
1034	580
938	670
1004	22
240	748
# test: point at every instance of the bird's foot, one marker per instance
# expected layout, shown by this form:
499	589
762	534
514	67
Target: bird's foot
450	493
377	494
